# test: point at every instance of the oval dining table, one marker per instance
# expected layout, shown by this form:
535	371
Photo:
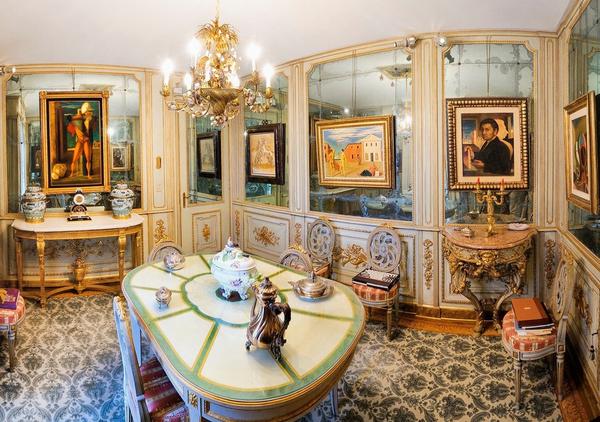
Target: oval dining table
199	339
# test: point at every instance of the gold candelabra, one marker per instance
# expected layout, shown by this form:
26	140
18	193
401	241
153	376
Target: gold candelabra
490	199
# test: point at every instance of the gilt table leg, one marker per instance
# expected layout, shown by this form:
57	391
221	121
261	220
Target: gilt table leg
41	245
460	284
138	248
122	244
19	253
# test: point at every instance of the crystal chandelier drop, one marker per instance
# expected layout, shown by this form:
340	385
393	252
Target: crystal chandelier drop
212	87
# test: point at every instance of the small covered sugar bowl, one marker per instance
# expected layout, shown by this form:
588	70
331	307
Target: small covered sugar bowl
163	296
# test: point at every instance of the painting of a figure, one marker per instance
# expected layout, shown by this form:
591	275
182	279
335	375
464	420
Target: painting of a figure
74	142
265	154
582	172
119	157
356	152
487	143
208	150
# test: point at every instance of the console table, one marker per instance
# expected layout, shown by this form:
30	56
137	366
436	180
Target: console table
200	340
58	228
502	256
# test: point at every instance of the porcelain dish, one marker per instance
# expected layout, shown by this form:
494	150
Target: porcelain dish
518	226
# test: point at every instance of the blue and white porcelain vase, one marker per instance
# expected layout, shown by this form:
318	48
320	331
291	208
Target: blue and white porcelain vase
33	204
121	201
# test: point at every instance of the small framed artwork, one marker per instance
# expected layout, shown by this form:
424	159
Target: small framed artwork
487	143
74	141
265	154
356	152
208	152
120	157
580	153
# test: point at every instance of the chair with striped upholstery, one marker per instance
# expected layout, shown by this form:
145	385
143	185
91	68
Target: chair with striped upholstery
533	347
384	254
9	321
149	395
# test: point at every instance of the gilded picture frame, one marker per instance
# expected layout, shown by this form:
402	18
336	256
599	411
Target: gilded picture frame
581	152
265	154
487	143
120	156
356	152
208	154
74	128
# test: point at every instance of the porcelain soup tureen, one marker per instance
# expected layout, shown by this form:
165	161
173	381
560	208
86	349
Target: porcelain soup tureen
234	270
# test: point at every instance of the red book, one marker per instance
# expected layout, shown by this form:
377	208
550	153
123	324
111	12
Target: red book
530	312
8	298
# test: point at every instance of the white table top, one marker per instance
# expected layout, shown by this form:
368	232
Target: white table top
60	224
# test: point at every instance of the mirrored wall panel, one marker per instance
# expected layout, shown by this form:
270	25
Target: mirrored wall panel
584	76
26	160
488	71
265	146
205	167
361	153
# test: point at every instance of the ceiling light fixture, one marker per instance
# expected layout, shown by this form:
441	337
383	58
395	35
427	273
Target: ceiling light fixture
212	87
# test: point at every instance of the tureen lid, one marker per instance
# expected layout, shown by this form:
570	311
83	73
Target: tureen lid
233	258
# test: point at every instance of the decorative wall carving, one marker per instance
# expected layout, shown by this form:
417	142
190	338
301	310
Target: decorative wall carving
192	399
237	226
160	231
206	232
354	255
298	234
265	236
549	261
428	262
581	303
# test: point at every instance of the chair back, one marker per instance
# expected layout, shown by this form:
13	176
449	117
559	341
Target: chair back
321	240
295	257
161	249
384	250
133	388
562	293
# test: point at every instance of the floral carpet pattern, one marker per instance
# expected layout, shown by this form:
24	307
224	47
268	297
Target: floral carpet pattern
69	369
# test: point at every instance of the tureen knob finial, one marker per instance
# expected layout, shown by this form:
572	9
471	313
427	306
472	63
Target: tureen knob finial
230	242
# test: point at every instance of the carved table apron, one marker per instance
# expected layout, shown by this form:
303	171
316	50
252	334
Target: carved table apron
502	256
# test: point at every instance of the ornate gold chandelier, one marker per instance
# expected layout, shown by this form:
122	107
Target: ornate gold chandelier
212	87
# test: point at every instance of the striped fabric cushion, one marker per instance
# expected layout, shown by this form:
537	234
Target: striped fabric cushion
373	294
13	316
524	343
321	269
163	401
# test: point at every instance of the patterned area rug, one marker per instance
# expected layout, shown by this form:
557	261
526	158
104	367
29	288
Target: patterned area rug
69	369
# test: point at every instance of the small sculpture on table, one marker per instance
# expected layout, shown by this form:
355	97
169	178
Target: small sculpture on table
265	330
490	199
78	209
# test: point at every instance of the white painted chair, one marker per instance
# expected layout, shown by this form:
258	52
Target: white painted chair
149	395
161	249
384	254
296	258
320	243
533	347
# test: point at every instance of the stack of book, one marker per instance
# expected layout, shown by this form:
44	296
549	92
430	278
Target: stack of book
377	279
8	298
531	317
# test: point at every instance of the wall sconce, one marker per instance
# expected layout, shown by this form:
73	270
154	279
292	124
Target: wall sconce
7	70
441	41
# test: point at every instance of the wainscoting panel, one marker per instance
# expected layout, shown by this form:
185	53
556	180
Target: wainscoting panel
266	234
206	231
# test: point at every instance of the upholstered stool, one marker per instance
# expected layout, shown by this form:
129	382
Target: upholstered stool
372	297
9	321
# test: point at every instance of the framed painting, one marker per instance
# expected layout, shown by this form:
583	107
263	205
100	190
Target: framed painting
208	153
487	143
580	153
120	157
265	154
356	152
74	141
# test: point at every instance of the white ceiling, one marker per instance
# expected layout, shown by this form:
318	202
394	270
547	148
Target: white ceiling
145	32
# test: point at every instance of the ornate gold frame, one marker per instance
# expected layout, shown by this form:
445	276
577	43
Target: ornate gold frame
585	101
45	96
388	148
499	105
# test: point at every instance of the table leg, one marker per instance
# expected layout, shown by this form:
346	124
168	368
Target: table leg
122	243
139	251
19	253
460	284
194	405
41	245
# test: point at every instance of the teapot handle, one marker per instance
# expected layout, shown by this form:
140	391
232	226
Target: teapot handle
278	308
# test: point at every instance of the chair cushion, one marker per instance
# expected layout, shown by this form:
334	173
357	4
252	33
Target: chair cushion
13	316
530	343
163	401
321	269
373	294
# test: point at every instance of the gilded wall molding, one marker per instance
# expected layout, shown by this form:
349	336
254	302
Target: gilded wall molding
237	226
298	233
549	261
354	255
206	232
265	236
428	262
160	231
581	303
